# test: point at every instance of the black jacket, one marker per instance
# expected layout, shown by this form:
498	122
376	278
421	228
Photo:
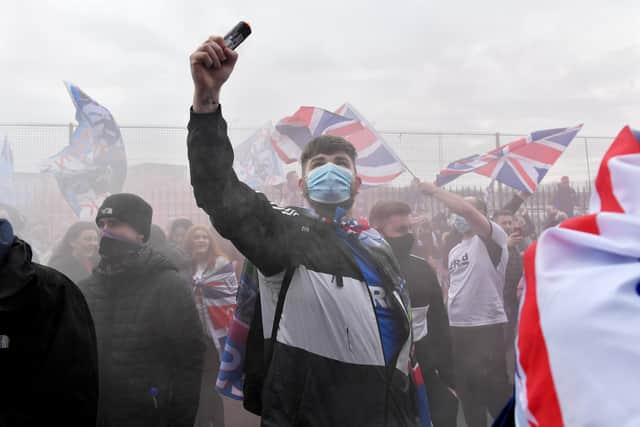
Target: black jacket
328	366
150	343
434	350
514	270
48	360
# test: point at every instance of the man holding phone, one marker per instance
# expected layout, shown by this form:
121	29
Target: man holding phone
340	356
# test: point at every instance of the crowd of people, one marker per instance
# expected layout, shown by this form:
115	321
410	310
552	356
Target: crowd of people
117	330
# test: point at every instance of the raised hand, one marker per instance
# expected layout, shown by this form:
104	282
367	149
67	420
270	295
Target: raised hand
211	65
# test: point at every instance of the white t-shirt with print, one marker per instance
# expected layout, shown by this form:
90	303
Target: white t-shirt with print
477	270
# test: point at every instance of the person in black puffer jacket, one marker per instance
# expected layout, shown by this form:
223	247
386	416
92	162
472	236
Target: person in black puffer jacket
150	342
48	357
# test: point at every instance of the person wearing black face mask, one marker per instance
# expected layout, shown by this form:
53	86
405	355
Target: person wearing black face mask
430	323
150	342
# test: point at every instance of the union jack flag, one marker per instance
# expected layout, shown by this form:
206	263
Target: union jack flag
230	379
559	342
376	163
215	294
521	164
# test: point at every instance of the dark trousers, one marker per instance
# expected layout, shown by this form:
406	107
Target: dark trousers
480	371
443	405
211	409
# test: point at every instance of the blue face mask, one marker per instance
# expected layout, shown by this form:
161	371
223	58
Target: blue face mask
460	224
329	184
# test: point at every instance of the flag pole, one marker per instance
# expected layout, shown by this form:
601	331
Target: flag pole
491	196
404	165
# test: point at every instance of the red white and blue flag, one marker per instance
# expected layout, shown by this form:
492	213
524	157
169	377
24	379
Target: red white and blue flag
376	163
578	342
521	164
230	381
215	294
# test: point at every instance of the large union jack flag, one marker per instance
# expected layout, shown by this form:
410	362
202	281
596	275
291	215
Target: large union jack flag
560	337
521	164
377	163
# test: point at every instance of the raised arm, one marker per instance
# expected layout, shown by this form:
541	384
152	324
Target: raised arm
239	214
478	222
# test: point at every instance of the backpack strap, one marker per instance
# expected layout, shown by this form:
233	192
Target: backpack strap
259	350
286	281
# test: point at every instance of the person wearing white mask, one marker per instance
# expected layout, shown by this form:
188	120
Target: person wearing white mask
477	316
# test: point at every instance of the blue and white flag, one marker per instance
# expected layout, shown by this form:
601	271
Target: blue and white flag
94	164
7	190
256	162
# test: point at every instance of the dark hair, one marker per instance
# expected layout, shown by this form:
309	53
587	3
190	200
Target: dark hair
64	247
326	144
178	223
381	211
502	212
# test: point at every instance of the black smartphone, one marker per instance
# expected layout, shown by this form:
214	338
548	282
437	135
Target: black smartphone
237	35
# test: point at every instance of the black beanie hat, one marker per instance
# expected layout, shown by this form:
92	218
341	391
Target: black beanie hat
130	209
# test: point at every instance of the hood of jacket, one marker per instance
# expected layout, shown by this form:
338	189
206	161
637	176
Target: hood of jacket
16	270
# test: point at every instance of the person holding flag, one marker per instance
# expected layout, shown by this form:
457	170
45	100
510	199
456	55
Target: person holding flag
477	317
215	288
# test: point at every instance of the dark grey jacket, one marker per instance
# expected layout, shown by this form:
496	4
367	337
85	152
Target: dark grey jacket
150	343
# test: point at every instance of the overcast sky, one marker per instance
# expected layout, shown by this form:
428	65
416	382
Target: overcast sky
492	65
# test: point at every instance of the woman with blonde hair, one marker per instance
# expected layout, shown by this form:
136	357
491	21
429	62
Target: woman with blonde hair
214	288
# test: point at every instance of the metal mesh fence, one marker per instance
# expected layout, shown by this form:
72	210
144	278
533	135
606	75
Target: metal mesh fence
425	153
169	191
